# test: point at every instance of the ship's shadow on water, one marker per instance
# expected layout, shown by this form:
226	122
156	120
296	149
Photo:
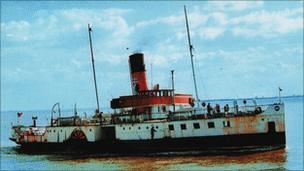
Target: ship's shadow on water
185	161
81	154
191	160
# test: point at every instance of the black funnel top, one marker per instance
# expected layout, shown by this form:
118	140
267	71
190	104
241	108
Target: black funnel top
137	62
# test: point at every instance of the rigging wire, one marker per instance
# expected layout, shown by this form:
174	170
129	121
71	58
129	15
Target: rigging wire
200	80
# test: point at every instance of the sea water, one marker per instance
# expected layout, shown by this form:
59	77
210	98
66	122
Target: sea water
290	158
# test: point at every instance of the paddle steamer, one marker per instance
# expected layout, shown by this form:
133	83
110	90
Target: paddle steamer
154	119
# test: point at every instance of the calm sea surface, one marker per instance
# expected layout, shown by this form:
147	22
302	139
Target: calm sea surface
290	158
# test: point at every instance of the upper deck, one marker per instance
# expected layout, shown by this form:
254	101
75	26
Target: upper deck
151	98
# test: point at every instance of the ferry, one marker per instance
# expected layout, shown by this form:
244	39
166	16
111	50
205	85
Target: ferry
158	120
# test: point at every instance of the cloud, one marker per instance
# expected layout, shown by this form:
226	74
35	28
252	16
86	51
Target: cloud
52	46
259	60
211	32
253	69
170	20
17	30
54	23
233	5
61	28
268	23
211	24
166	53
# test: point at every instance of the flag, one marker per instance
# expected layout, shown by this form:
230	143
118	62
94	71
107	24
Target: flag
280	89
19	114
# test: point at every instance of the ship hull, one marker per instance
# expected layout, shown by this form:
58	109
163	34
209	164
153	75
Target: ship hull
209	144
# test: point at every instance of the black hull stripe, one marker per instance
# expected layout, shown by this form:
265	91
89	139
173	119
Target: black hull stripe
228	142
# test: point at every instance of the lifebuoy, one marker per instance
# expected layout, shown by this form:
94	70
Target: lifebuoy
277	108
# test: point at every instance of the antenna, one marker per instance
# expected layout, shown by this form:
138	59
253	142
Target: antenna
75	110
132	91
191	56
280	95
91	48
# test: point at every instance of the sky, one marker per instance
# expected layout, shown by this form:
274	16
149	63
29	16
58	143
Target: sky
242	49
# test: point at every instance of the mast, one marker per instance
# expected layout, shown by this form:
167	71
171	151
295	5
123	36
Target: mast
191	56
93	65
151	76
173	91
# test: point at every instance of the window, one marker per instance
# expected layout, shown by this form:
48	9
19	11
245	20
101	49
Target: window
183	126
90	130
210	124
156	127
123	128
226	123
171	127
139	127
60	130
129	127
147	127
196	125
54	130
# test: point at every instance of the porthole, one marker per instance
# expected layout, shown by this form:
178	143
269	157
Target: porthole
90	130
147	127
139	127
54	130
277	108
123	128
129	127
156	127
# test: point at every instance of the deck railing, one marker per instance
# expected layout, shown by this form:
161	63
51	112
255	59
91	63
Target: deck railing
202	113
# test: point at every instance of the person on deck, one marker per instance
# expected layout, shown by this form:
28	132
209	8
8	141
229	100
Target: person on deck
217	108
226	109
209	108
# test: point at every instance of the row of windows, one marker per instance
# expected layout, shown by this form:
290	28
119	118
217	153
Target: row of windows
184	126
156	127
61	130
197	125
157	93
